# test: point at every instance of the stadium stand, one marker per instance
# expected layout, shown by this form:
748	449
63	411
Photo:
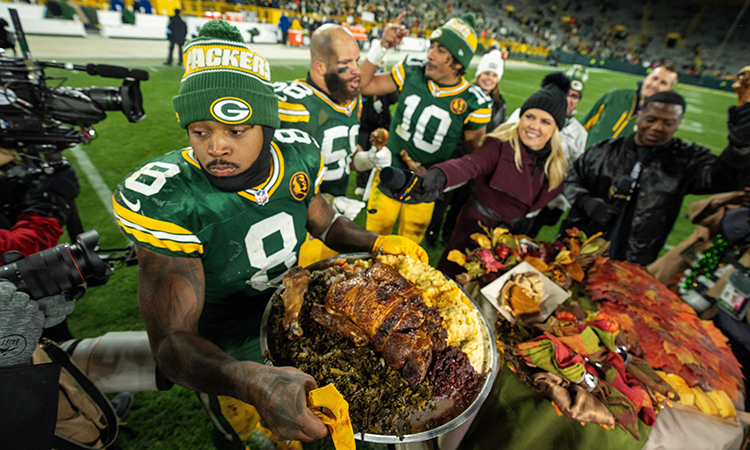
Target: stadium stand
33	21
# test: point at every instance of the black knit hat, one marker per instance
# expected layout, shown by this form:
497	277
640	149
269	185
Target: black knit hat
552	98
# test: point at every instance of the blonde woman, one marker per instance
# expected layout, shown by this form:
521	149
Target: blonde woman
518	168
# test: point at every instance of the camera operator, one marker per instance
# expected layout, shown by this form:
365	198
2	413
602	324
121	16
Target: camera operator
32	214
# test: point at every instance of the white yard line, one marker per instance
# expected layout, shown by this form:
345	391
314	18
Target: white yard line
94	177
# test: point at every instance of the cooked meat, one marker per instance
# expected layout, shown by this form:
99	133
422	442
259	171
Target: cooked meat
381	308
295	287
379	137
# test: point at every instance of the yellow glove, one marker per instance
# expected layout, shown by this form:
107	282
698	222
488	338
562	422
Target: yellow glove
399	245
335	415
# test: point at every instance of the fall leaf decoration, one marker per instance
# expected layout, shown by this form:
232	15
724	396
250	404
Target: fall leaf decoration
661	328
499	251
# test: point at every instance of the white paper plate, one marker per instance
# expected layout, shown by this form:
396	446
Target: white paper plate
554	295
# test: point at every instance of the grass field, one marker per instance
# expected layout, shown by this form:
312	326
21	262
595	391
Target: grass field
174	419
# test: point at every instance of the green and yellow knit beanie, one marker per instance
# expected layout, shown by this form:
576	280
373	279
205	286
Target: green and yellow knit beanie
578	76
459	37
225	81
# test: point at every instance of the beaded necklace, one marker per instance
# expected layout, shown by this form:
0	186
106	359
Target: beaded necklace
708	263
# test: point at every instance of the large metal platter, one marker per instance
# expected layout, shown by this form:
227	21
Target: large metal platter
490	372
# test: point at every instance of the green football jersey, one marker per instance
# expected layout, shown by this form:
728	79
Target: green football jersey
430	119
246	240
334	126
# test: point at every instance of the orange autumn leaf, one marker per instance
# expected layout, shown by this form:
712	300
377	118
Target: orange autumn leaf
591	238
682	353
482	240
575	248
537	263
457	257
574	271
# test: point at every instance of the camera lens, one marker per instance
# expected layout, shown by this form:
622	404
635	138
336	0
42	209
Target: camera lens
57	269
108	98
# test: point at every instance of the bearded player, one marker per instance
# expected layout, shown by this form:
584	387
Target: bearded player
437	108
326	105
216	225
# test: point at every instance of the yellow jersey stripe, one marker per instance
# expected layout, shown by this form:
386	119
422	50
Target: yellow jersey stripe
181	238
275	177
147	222
170	245
398	75
627	119
292	106
478	119
279	161
293	118
438	91
617	125
321	174
592	121
188	157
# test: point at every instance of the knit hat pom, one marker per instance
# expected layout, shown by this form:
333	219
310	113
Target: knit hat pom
557	79
219	29
470	19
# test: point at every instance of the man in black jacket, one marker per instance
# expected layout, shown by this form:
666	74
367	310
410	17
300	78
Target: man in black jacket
631	188
176	33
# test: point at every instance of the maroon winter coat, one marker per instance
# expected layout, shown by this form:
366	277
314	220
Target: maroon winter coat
499	186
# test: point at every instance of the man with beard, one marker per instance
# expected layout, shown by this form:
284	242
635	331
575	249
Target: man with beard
631	188
615	113
326	105
437	108
217	225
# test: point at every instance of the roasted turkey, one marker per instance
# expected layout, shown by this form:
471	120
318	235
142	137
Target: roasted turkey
381	308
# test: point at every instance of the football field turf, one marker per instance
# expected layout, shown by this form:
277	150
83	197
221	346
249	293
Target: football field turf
174	419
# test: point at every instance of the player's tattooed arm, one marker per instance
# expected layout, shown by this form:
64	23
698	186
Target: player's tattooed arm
171	293
337	232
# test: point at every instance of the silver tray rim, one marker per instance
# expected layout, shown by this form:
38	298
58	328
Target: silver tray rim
426	435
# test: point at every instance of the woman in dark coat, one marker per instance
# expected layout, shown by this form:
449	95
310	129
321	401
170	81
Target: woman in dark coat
518	168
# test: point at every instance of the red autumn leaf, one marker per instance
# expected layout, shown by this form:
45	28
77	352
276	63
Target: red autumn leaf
669	334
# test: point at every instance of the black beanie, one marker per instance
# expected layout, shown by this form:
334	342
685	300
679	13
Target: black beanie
550	99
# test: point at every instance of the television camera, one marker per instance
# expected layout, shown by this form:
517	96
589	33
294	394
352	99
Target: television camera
39	120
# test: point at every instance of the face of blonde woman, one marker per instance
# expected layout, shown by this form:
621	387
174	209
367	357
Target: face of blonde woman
487	81
536	128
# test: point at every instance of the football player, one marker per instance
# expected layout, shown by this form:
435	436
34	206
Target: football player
437	108
326	105
217	225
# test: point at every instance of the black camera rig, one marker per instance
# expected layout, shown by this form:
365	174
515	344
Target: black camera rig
35	114
40	120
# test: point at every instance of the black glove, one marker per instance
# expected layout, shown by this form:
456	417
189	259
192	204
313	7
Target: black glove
599	210
738	126
51	197
429	186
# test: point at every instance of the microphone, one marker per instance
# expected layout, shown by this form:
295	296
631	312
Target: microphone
399	183
394	178
107	71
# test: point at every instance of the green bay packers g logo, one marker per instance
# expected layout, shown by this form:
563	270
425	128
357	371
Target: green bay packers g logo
231	110
436	34
299	185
